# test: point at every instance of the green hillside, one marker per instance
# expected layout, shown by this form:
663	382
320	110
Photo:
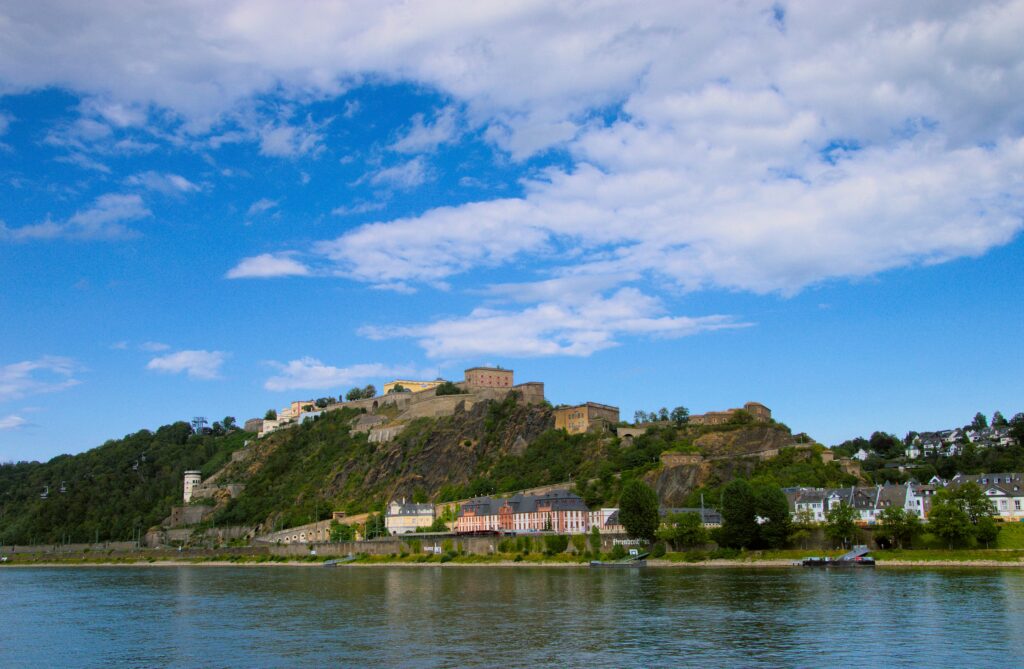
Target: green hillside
112	491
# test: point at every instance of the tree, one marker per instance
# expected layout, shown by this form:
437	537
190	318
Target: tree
375	526
839	523
448	388
683	530
323	402
998	420
979	422
899	525
397	388
638	510
971	498
663	413
885	445
342	532
1017	428
680	415
270	415
986	531
950	523
595	540
640	416
369	391
739	522
354	394
771	510
802	526
229	423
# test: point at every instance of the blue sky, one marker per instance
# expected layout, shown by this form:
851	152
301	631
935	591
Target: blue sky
214	212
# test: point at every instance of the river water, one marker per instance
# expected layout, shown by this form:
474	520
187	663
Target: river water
509	617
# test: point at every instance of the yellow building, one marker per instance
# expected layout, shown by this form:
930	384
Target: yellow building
585	417
411	386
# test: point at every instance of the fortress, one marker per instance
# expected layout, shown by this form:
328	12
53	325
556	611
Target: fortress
387	415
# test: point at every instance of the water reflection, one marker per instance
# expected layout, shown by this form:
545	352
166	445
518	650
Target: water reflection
482	616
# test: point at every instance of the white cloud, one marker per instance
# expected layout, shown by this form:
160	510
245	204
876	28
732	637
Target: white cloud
83	161
5	122
154	346
44	375
166	183
311	374
361	208
12	422
579	326
424	137
702	139
198	364
289	141
267	265
104	220
260	206
405	175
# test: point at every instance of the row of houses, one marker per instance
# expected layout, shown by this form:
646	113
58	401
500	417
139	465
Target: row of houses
1005	490
557	511
952	442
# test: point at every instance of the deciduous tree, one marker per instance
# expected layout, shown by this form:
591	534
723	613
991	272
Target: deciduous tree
839	523
638	510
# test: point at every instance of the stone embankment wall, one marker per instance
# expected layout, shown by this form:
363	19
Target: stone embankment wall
62	549
396	545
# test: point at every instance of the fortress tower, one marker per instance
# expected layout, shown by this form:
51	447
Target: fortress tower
192	480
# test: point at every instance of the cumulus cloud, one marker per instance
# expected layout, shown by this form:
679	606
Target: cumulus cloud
104	221
311	374
283	140
575	327
267	265
197	364
731	146
427	136
163	182
43	375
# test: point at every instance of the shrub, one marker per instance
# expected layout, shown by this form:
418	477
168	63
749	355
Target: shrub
658	550
724	554
618	552
555	543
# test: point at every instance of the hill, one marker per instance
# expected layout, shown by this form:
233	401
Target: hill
304	473
111	492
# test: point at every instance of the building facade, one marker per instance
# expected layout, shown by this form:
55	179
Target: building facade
402	517
585	417
488	377
758	411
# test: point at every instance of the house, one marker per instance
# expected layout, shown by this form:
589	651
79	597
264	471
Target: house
708	517
861	455
554	511
401	517
586	417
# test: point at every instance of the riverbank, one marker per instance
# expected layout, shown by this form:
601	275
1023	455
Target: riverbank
503	561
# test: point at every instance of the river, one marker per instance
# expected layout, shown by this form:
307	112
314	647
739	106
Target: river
509	617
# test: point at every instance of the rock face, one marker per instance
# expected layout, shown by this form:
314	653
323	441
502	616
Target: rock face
723	456
450	450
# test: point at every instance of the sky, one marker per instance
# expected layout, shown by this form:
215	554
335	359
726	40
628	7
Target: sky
212	209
